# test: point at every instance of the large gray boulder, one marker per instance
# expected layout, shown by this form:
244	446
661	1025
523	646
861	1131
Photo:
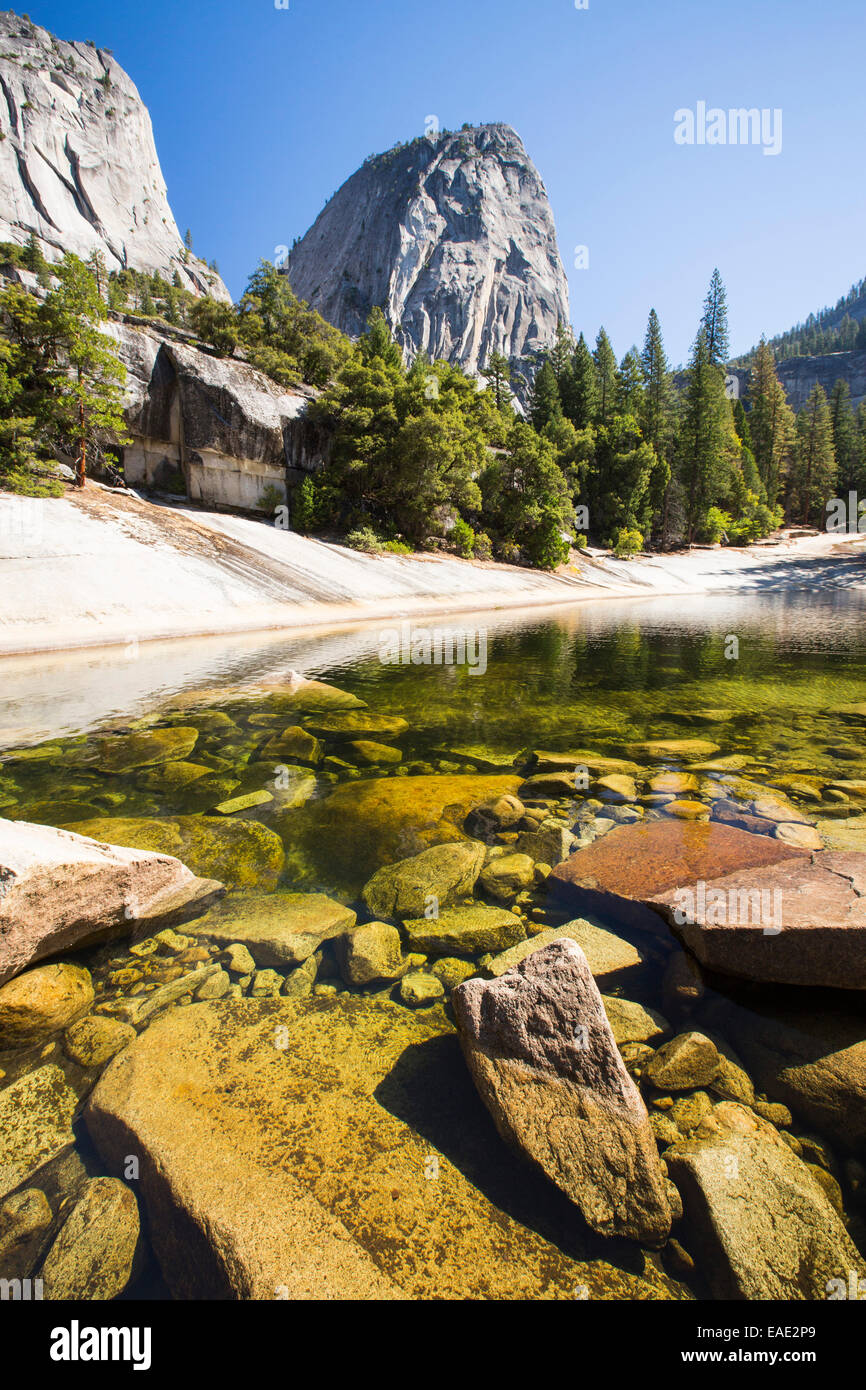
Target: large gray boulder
542	1054
78	165
454	236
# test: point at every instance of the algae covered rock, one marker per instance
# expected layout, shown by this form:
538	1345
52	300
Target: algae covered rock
241	854
466	931
36	1113
125	752
419	989
355	724
371	953
94	1040
362	825
94	1256
764	1225
278	929
333	1148
506	876
440	874
42	1001
687	1061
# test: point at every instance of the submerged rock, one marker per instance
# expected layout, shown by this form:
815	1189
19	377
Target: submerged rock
42	1001
94	1256
541	1052
35	1123
279	929
464	931
372	953
268	1172
631	1022
25	1219
356	724
765	1227
378	821
507	875
125	752
686	1062
443	873
691	750
241	854
63	891
95	1040
799	922
809	1055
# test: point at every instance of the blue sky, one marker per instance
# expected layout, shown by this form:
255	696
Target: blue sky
260	114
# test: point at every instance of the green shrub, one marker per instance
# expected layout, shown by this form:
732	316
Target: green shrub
462	538
271	498
715	525
627	543
364	538
580	541
482	549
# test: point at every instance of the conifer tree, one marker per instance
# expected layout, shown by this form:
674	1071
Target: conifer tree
84	384
715	322
605	371
581	398
629	386
498	374
771	422
545	407
844	436
706	439
814	474
657	412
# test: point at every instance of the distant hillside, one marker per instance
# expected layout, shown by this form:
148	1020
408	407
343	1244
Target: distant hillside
832	330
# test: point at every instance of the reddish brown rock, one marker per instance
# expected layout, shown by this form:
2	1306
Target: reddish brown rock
802	922
627	873
542	1054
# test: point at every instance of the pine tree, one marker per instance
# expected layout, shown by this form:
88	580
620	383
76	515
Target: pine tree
545	407
580	400
378	340
771	422
814	473
84	384
844	436
715	322
656	415
629	386
605	371
707	437
498	373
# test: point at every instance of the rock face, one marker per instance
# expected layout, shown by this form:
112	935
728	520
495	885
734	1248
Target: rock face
541	1052
217	426
60	891
267	1174
454	237
799	375
42	1001
78	165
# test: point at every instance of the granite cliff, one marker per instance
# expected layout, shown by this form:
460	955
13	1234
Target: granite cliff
78	164
454	237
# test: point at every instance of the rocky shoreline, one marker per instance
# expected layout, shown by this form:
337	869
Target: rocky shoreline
392	1024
